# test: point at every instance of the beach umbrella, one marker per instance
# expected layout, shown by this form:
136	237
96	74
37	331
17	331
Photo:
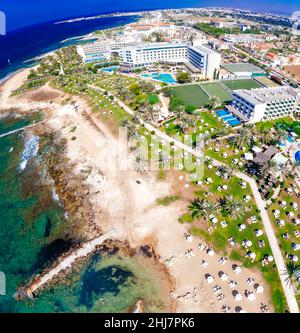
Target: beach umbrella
252	255
259	289
293	257
209	279
210	252
232	284
237	269
281	223
291	214
223	276
242	227
238	297
297	221
251	297
247	242
258	232
247	197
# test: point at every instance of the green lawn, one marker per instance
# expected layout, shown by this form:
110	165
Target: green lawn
241	84
215	89
153	99
191	95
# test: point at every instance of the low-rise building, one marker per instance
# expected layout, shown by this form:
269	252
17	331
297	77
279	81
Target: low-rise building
243	38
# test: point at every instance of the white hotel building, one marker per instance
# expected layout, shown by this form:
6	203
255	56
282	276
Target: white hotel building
99	50
266	103
243	38
201	57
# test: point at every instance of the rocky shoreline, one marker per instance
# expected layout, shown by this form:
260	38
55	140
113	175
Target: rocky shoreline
74	196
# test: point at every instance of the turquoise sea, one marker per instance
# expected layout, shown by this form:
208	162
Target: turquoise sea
31	228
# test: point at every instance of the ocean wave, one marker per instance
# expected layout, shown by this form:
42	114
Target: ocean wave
31	148
55	196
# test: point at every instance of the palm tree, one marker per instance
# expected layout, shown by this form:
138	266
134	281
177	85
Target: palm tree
270	167
225	170
266	136
281	134
207	161
212	104
221	132
140	164
205	137
244	137
292	270
163	159
236	208
131	132
232	206
201	207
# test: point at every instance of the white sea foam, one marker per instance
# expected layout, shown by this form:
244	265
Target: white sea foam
30	150
55	196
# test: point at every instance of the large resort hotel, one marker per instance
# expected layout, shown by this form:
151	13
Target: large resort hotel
265	103
197	58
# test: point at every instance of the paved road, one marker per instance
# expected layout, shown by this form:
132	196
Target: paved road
279	260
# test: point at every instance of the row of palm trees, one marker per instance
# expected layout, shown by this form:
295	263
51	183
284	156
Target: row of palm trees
229	205
268	136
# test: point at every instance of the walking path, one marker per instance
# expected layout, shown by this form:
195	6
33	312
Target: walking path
279	260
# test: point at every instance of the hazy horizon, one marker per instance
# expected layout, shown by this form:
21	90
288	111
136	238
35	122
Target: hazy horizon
20	14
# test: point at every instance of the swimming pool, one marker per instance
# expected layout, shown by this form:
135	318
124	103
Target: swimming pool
109	69
234	122
222	113
290	138
228	117
162	77
297	157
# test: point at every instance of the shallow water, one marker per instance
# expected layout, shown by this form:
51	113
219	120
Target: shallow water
32	226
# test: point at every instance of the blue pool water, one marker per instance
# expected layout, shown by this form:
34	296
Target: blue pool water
228	117
290	138
297	157
222	113
109	69
162	77
234	122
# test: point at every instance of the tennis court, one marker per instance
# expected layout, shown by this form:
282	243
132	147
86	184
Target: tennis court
266	82
215	89
242	68
191	94
241	84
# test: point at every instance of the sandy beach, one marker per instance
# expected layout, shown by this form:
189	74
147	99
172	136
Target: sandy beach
126	201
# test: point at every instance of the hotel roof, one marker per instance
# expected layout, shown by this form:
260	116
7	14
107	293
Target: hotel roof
265	95
156	45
